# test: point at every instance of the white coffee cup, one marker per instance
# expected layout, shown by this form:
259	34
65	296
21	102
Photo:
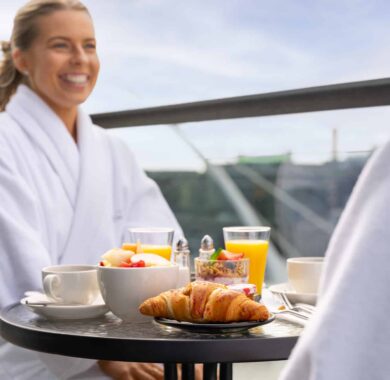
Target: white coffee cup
304	273
71	284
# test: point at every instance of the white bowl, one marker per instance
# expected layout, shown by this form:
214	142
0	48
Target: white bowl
124	289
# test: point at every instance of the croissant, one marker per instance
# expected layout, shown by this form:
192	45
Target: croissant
203	301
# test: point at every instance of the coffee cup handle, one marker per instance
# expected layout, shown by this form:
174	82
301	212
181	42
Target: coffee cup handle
51	282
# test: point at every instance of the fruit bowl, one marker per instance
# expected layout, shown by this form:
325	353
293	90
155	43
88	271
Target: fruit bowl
124	289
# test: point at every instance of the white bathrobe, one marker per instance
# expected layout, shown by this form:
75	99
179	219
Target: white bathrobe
62	203
349	336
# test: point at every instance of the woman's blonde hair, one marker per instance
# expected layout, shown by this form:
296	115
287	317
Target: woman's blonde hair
24	31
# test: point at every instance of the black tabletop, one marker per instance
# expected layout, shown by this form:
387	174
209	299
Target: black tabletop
109	338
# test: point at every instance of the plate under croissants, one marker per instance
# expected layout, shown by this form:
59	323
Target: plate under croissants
205	305
213	328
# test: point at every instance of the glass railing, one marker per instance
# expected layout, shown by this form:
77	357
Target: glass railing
293	172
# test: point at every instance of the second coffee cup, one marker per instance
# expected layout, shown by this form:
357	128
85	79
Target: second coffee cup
71	284
304	273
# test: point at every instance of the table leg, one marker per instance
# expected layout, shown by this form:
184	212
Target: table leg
210	371
226	371
188	371
170	371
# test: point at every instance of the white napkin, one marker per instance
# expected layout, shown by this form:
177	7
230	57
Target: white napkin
37	296
273	305
291	319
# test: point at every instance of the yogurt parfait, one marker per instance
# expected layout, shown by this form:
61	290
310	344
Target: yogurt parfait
223	267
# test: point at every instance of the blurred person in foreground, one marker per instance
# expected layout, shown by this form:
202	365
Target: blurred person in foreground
349	335
69	190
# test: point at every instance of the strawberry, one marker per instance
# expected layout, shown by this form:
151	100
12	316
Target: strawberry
226	255
124	264
138	264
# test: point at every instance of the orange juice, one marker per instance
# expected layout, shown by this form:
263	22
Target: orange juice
129	247
161	250
256	252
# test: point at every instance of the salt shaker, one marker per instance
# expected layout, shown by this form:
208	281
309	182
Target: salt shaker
206	247
181	256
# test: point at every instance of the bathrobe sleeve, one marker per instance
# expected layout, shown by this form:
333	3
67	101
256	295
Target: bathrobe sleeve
23	254
349	336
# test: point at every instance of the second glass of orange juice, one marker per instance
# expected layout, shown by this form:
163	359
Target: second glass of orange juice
253	243
150	240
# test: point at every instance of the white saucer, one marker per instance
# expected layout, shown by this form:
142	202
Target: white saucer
67	312
293	296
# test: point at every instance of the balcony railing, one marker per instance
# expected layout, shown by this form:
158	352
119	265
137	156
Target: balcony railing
371	93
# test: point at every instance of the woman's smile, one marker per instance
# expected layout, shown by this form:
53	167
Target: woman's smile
75	80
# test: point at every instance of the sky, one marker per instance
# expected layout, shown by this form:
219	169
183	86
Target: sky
159	52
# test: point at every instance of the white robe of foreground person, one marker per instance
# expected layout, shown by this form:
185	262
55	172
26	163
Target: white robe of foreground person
62	203
349	336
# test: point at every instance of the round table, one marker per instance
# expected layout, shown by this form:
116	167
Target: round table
109	338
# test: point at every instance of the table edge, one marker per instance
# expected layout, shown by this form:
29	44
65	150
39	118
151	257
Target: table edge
190	351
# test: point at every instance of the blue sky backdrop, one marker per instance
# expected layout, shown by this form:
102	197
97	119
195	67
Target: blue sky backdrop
157	52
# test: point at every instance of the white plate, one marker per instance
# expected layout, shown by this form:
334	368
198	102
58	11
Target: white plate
292	295
66	311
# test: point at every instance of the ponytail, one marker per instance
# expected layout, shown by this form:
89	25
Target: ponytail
10	78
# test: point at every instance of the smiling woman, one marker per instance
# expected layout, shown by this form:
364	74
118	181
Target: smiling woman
70	190
24	35
60	64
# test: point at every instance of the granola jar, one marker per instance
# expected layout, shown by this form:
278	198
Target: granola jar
225	272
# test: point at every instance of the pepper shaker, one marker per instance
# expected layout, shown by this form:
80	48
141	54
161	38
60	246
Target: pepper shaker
181	256
206	247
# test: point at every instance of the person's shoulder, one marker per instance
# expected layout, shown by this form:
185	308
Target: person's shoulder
385	148
9	130
381	155
5	122
377	166
11	140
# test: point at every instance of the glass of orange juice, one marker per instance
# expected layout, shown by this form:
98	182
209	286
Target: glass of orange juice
253	243
150	240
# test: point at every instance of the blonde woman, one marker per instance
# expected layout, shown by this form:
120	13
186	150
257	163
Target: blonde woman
68	189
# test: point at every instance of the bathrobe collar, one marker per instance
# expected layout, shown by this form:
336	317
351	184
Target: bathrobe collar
49	133
83	168
94	196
